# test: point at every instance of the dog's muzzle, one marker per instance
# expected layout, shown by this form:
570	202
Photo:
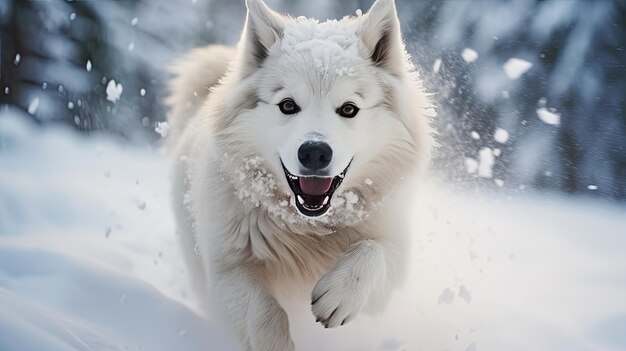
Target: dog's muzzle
313	194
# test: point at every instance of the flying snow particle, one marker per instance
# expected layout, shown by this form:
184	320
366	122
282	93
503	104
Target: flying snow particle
17	60
6	90
131	46
141	205
497	152
437	65
475	135
72	16
359	12
70	105
447	296
505	94
369	181
471	165
88	66
514	67
485	169
499	182
33	106
134	21
351	198
469	55
162	128
501	135
592	187
114	91
187	199
44	85
548	116
465	294
142	92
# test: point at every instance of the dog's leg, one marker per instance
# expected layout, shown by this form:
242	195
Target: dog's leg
258	319
341	293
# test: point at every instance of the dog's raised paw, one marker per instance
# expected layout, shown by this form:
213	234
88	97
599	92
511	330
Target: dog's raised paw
338	297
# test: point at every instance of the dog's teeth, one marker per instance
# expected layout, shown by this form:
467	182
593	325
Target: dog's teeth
300	200
326	200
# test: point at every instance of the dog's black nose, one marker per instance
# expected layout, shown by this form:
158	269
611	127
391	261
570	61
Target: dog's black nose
315	155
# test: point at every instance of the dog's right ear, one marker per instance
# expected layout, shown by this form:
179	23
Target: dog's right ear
262	29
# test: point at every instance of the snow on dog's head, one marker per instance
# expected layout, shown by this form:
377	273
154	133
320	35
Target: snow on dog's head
332	113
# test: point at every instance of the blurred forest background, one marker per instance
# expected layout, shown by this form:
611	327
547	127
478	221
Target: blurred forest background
552	118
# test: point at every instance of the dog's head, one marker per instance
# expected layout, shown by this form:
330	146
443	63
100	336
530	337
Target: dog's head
328	115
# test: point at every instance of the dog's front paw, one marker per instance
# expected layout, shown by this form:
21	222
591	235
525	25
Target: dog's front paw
343	292
338	297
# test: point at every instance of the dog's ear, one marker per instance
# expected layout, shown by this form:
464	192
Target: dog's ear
380	34
262	29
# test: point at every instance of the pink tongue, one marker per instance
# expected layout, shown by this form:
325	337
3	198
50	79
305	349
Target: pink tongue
315	185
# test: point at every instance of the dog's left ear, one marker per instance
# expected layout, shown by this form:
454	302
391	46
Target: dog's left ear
381	36
262	29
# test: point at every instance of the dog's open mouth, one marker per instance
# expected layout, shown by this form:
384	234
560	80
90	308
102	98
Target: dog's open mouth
313	193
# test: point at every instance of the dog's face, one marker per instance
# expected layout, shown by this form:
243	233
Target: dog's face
328	119
324	106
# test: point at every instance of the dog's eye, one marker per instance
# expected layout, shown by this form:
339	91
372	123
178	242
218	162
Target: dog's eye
348	110
288	107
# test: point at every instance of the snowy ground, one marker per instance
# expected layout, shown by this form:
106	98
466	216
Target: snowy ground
88	261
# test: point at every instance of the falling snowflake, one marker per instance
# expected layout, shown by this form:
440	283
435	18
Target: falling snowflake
469	55
515	68
114	91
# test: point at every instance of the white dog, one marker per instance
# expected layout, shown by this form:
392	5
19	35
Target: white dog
292	155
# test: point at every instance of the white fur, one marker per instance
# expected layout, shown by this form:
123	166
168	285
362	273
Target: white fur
246	243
